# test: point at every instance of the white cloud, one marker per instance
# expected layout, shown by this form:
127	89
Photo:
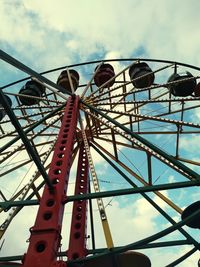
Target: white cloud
136	221
164	29
49	34
190	144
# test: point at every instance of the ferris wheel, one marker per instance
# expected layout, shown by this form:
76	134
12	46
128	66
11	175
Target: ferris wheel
114	140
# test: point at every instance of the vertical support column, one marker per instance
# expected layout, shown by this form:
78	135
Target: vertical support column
77	241
45	234
124	91
100	204
114	144
149	166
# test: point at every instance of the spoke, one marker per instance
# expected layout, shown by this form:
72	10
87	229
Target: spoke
140	179
100	203
16	63
150	148
21	195
140	135
150	101
136	115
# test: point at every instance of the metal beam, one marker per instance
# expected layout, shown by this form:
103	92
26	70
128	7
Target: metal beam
144	189
146	142
100	250
131	191
46	232
77	239
142	242
7	145
155	205
19	65
33	154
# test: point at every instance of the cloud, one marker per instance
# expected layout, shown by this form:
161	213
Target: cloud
136	221
111	25
65	27
191	145
56	33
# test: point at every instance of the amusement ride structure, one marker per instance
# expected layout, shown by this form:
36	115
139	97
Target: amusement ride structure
133	114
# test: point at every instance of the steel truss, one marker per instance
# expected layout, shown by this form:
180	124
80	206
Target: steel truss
115	116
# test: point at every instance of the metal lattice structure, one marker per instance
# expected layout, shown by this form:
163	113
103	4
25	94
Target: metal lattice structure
132	128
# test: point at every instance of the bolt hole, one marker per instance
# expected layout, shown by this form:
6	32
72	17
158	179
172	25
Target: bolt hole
40	247
61	155
50	202
78	216
75	256
77	226
57	171
79	208
47	216
59	163
77	235
55	181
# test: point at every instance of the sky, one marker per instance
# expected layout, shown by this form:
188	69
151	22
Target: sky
49	34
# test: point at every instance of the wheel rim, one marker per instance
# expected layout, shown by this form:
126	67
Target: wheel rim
148	110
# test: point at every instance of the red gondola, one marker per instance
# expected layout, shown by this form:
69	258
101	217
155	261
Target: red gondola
64	81
31	88
182	88
139	69
197	90
104	74
2	111
194	222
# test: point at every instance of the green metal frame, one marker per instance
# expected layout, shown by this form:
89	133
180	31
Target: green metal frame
6	205
32	152
144	243
141	139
